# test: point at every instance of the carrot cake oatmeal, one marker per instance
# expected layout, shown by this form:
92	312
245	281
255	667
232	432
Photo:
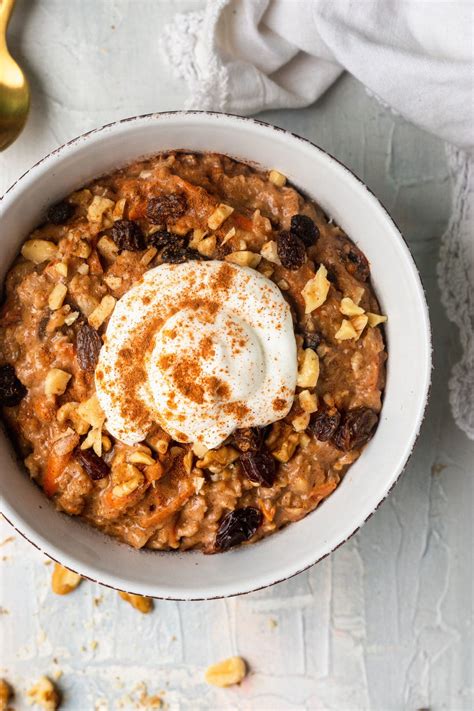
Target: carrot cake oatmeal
190	354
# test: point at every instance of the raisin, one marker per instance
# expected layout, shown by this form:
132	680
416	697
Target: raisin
357	427
127	234
303	227
42	327
237	526
12	391
311	340
356	262
259	467
324	424
163	208
248	439
331	276
60	213
176	254
88	345
291	250
94	466
164	239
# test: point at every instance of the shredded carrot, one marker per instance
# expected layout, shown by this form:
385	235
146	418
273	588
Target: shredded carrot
54	467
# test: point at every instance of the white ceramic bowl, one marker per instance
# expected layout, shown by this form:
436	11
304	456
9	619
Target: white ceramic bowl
397	284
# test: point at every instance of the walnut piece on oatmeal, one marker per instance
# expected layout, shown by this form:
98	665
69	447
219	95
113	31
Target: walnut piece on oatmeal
375	319
56	381
277	178
316	290
39	250
219	216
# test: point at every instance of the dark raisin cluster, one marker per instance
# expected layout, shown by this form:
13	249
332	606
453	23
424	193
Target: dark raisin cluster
164	208
256	461
94	466
237	527
61	212
347	431
127	234
291	250
88	345
12	391
303	227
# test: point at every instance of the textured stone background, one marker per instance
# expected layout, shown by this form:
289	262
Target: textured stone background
385	622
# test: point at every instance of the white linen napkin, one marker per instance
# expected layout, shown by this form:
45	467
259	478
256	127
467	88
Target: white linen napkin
415	56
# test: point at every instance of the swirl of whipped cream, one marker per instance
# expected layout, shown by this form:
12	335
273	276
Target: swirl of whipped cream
201	348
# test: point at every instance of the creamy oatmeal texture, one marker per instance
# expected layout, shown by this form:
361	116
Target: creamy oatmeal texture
190	353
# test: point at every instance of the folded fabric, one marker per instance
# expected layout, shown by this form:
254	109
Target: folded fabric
244	56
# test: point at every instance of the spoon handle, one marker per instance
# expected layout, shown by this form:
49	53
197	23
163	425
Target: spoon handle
6	7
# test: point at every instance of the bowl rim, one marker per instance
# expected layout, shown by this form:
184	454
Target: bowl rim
10	515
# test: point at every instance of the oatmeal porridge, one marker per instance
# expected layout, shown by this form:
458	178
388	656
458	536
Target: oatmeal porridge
190	353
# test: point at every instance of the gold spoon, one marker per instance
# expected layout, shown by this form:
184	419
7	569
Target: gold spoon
14	89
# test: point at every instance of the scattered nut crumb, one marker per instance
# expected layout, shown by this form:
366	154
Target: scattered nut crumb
139	602
226	673
149	702
7	540
44	694
63	580
6	693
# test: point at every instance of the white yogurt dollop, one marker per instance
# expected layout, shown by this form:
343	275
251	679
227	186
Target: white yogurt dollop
201	348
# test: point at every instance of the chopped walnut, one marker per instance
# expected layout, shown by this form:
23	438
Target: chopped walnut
126	478
269	252
216	460
226	673
39	250
6	693
308	401
139	602
349	308
244	258
375	319
64	580
207	246
44	694
100	208
102	311
308	371
359	323
220	215
316	290
277	178
107	248
91	412
346	331
286	448
56	381
57	296
68	412
301	422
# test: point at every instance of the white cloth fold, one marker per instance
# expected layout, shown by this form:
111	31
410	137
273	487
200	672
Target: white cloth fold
415	56
245	56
